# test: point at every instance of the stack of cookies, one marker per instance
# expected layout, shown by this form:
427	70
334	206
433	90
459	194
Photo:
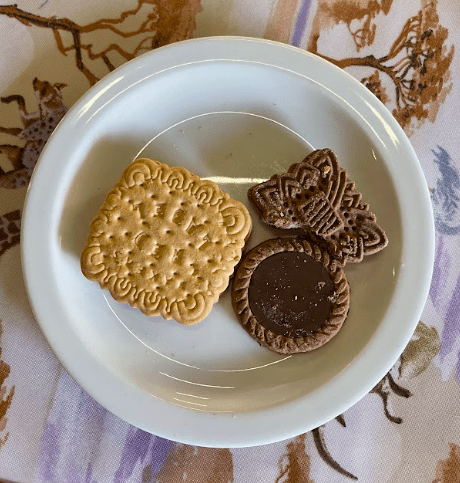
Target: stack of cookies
291	294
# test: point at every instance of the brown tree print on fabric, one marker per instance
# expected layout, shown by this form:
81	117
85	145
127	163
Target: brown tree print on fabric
415	359
6	396
10	226
151	24
323	451
35	131
294	466
417	66
374	84
419	352
448	470
358	15
193	464
386	388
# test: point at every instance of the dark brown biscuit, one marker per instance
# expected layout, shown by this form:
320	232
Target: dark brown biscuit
360	234
295	200
290	295
317	196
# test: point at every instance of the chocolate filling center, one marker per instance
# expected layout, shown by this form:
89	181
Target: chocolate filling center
291	294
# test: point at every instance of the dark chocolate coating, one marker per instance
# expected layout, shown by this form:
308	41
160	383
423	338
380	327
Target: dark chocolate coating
275	290
291	294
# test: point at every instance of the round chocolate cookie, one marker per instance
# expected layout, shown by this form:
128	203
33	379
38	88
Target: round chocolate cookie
290	295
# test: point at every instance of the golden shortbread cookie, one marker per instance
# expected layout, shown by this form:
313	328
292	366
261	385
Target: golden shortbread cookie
166	241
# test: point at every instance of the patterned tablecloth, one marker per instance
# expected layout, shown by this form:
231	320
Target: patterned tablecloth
406	52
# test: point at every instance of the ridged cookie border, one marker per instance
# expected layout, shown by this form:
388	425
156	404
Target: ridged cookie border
196	306
267	338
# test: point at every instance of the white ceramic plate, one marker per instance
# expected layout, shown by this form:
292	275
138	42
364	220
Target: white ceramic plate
237	111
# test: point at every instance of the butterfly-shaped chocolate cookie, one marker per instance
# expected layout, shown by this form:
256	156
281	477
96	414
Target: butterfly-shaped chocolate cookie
317	196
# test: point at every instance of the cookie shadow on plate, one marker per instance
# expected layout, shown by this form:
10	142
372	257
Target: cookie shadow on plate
101	169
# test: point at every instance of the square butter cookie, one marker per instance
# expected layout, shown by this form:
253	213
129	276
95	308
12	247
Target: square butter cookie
166	241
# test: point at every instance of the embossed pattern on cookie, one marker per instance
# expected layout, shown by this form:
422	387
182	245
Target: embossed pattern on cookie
360	235
166	241
295	200
317	196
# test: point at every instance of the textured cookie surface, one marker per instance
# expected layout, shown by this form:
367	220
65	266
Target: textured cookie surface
166	241
290	295
317	196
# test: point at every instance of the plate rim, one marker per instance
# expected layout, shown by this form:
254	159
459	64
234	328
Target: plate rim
224	420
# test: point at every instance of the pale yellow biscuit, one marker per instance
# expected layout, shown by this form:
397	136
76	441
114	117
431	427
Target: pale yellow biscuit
166	241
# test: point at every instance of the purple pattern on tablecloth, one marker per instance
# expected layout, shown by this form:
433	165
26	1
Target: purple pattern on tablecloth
441	266
49	451
145	448
301	23
446	196
446	204
78	435
451	328
89	475
135	448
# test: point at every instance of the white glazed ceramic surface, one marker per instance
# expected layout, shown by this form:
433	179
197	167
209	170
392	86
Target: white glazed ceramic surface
236	111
